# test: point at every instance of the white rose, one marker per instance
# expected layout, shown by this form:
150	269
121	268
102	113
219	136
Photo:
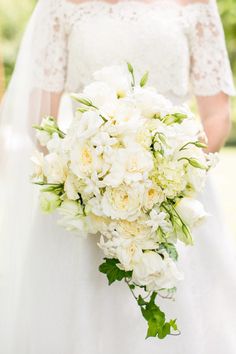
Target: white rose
129	252
155	272
84	160
153	195
123	202
191	211
55	168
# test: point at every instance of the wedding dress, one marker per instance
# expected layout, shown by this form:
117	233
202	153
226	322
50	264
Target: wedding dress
53	300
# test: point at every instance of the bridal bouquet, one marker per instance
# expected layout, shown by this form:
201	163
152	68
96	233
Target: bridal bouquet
129	169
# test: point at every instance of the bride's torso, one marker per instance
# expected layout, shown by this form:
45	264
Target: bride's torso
182	46
152	36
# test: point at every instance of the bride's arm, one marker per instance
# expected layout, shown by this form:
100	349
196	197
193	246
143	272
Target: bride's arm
215	114
210	73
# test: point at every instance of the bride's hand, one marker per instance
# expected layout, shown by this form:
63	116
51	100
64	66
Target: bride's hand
215	114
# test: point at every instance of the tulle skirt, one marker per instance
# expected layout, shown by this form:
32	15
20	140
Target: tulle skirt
53	300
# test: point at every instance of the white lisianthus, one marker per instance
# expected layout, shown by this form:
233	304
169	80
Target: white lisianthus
73	218
99	93
123	202
38	161
44	134
150	103
116	77
88	124
72	186
43	137
191	211
49	201
55	168
55	144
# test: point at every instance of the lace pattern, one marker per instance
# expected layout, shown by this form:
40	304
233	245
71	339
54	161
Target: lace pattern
50	46
183	46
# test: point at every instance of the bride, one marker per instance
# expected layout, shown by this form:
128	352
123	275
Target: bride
53	300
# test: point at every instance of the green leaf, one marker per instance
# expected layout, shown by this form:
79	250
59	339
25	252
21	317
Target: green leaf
113	273
157	325
141	301
144	80
170	249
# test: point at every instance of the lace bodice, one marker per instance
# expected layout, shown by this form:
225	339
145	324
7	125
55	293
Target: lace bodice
183	47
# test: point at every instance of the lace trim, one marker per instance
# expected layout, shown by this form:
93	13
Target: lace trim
210	69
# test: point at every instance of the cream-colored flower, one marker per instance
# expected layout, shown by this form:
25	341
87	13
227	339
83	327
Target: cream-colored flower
55	168
191	211
38	161
49	201
84	160
155	272
130	164
116	77
123	202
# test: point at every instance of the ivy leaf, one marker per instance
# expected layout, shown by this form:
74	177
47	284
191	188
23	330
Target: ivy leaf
157	325
112	271
170	249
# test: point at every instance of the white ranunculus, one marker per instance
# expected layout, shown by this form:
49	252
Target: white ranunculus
116	77
55	168
150	103
49	201
123	202
155	272
191	211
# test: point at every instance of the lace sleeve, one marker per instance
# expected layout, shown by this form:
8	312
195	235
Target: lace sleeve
49	47
210	71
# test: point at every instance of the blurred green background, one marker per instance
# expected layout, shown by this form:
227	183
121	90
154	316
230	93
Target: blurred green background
13	17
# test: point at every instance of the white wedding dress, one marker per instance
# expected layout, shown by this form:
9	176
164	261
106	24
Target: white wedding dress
53	300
